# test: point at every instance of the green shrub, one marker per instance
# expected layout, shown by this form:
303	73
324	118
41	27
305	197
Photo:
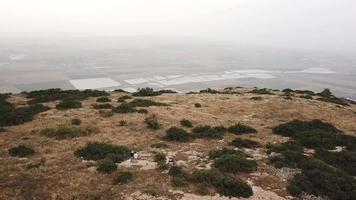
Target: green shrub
103	99
334	100
159	145
102	106
123	98
234	187
145	103
261	91
75	121
65	132
120	90
124	108
123	177
176	171
239	129
98	151
256	98
287	146
106	166
197	105
208	132
160	157
306	96
152	122
21	151
290	159
177	134
142	111
178	182
11	116
123	123
68	104
210	91
244	143
344	160
150	92
296	126
186	123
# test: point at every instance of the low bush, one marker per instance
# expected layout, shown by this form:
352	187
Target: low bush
176	171
123	177
186	123
210	91
75	121
208	132
160	157
102	106
261	91
232	161
334	100
106	166
142	111
290	159
145	103
103	99
159	145
177	134
287	146
68	104
256	98
306	96
123	123
124	108
123	98
178	182
239	129
150	92
152	122
11	116
344	160
65	132
98	151
244	143
21	151
197	105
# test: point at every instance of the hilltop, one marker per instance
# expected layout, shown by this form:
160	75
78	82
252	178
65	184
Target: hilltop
238	143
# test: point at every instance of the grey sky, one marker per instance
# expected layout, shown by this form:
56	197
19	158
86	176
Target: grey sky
295	24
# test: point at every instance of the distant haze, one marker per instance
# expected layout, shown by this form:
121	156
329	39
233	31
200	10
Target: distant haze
317	25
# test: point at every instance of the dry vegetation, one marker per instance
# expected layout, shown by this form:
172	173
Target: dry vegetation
47	158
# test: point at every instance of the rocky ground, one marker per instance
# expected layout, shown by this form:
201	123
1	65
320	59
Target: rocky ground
61	175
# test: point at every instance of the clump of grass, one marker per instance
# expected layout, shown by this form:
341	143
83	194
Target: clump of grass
177	134
178	182
66	132
256	98
209	132
152	122
150	92
106	166
231	161
75	121
159	145
102	106
123	123
123	98
123	177
145	103
197	105
239	129
186	123
99	151
103	99
244	143
21	151
68	104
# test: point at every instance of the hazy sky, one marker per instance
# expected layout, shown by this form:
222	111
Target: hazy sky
299	24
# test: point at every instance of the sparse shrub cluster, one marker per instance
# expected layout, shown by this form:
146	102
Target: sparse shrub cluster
66	132
186	123
124	108
123	98
261	91
21	151
11	115
177	134
239	129
327	96
100	151
244	143
131	106
102	106
68	104
232	161
106	166
123	177
209	132
152	122
256	98
210	91
144	92
145	103
103	99
225	185
197	105
48	95
333	176
160	159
